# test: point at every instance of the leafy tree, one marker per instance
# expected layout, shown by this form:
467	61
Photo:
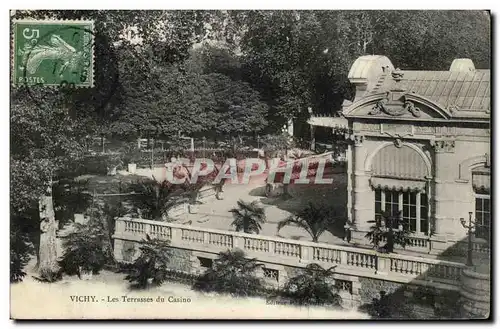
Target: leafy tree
314	219
166	91
313	286
48	126
389	228
20	250
248	217
239	109
42	141
151	263
231	273
300	59
215	58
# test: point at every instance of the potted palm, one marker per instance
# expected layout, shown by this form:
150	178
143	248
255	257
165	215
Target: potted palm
131	159
390	229
313	219
248	216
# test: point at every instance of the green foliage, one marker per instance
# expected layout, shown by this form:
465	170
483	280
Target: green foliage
231	273
132	155
238	108
390	229
298	59
107	213
194	103
313	287
85	248
153	199
151	264
248	217
70	197
20	250
314	219
275	142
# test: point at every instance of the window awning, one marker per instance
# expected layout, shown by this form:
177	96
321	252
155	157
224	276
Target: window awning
397	184
402	162
481	182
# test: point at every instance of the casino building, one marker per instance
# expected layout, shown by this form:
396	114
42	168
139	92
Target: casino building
419	144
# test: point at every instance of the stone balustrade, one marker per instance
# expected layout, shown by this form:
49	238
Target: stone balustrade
419	243
348	260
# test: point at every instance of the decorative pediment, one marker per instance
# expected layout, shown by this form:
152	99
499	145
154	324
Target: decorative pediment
395	104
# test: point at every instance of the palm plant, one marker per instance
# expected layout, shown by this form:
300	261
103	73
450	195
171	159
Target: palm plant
151	263
313	286
153	199
314	219
388	228
248	217
231	273
85	248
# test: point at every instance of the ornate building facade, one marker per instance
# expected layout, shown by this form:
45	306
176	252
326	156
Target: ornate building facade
419	146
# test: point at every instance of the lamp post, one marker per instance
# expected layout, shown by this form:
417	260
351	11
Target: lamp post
470	229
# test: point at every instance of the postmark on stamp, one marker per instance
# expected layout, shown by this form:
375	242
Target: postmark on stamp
53	53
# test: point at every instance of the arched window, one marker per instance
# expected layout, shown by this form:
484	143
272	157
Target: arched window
399	180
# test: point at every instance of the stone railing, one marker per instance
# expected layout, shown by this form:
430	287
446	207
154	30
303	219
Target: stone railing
348	260
419	243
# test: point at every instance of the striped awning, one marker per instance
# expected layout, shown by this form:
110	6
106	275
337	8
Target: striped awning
400	162
397	184
481	182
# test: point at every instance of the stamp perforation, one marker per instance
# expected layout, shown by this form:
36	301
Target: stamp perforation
89	24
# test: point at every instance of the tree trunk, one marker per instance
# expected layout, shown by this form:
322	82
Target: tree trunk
47	252
108	245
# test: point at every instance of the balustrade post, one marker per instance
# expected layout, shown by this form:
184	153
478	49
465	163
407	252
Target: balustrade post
343	257
147	229
119	227
238	242
383	265
306	254
272	247
176	238
206	238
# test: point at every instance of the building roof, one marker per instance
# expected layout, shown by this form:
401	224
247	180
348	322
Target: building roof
463	90
468	90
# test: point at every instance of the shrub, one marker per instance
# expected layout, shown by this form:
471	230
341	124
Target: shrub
151	264
85	248
231	273
312	287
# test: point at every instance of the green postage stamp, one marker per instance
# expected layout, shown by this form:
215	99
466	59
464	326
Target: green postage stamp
53	53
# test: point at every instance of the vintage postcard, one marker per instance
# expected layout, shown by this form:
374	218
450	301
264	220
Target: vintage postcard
252	164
